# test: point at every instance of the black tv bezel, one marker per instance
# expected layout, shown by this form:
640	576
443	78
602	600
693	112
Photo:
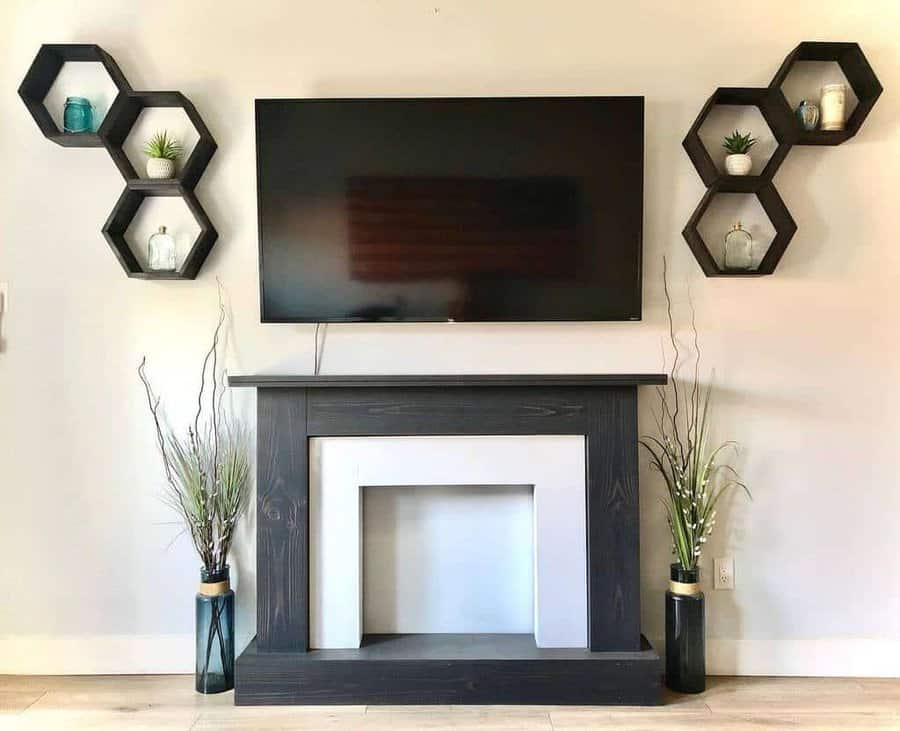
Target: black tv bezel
258	102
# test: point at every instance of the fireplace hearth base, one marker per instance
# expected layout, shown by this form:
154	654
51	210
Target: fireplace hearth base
434	669
279	667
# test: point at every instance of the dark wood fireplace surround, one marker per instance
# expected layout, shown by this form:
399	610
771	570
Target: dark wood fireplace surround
278	667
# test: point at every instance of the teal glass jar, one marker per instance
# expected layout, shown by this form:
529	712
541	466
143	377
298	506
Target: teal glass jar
78	115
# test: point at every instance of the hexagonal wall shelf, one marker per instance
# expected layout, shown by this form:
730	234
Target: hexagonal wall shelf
125	113
114	130
39	80
703	162
859	75
778	215
123	214
786	128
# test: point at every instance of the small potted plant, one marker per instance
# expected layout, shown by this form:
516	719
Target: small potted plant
163	150
738	162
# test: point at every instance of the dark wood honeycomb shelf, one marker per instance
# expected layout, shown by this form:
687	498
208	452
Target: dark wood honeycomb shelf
153	185
788	132
123	214
76	139
778	215
859	74
39	80
112	133
125	112
741	183
703	162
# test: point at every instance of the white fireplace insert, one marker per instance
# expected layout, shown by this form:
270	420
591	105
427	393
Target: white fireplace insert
462	534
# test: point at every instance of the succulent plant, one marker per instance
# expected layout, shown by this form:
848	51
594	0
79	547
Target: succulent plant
162	146
738	144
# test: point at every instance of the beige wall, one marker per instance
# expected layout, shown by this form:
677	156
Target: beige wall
806	361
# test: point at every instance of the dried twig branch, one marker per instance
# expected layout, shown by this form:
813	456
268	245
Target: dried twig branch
693	479
207	472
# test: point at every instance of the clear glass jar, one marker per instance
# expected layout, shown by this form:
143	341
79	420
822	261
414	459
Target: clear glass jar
738	250
161	251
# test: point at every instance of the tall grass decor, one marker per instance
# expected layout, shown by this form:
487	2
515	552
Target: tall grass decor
696	473
207	482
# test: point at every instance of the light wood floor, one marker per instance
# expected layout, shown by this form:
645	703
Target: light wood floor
169	702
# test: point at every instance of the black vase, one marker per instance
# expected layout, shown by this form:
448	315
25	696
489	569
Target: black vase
215	633
685	632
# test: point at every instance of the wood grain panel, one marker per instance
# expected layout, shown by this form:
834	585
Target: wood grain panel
458	669
613	521
422	411
282	518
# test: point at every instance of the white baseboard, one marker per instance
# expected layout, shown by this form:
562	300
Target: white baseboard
131	655
97	655
823	657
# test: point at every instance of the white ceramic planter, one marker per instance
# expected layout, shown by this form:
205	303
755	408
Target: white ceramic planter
738	164
159	168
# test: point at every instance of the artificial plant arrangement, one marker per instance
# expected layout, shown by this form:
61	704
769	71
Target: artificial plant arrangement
162	151
696	474
738	161
207	482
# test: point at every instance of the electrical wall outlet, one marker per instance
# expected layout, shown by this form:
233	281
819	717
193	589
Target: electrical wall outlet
723	573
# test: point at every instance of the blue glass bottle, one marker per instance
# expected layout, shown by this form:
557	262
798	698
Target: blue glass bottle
78	115
215	633
808	114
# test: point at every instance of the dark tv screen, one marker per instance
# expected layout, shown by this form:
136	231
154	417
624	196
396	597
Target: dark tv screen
467	209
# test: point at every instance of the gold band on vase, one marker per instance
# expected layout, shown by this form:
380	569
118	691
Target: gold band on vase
677	587
216	588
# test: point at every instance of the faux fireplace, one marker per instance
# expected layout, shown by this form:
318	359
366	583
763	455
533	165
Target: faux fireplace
617	665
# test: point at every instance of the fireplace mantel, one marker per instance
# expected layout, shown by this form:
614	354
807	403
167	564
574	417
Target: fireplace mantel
618	666
448	381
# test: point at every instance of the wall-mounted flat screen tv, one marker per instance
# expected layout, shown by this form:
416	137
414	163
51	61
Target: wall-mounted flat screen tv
468	209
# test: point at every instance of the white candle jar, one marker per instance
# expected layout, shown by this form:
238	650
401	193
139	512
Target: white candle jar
831	106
